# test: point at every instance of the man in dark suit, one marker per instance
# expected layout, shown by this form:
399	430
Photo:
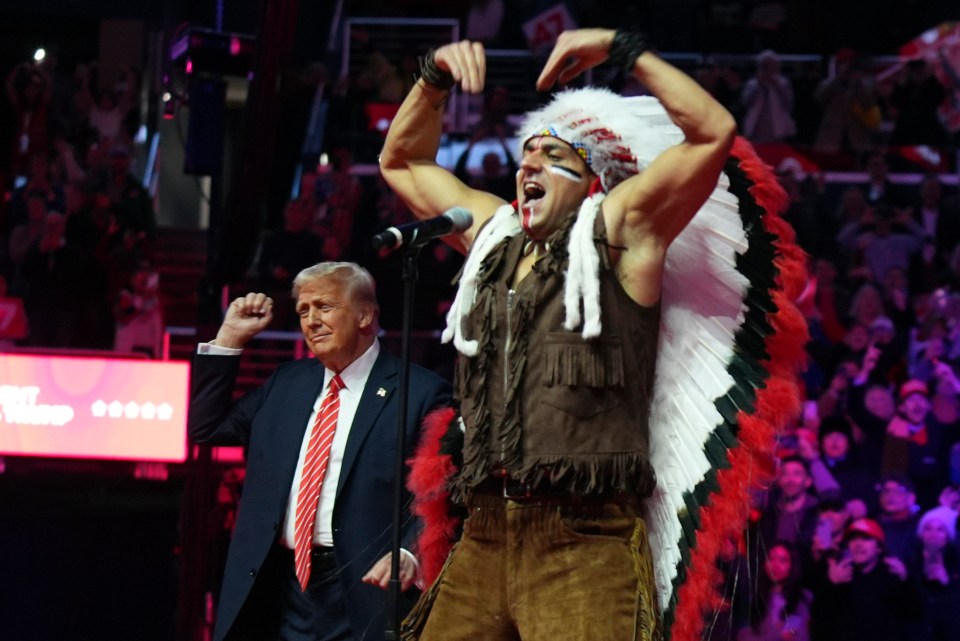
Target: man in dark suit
337	598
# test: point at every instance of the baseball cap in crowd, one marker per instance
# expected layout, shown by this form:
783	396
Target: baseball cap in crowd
865	527
913	386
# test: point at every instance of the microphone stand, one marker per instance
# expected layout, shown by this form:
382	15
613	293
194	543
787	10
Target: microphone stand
410	274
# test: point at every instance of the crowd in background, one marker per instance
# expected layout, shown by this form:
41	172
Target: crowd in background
76	226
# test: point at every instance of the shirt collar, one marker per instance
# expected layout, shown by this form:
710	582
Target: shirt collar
355	374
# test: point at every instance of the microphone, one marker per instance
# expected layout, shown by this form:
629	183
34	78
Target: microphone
453	221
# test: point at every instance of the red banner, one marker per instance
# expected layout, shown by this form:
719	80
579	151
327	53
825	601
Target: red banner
93	408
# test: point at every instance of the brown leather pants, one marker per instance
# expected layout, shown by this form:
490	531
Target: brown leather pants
535	570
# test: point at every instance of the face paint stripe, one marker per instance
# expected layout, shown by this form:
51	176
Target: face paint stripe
526	218
565	172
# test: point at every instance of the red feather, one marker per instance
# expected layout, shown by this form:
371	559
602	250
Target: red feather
725	517
430	473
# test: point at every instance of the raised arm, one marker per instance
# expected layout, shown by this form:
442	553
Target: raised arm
408	162
246	317
646	212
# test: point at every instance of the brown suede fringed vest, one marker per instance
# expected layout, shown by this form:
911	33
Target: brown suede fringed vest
542	403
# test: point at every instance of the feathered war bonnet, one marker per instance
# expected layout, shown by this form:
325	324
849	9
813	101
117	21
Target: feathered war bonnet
618	138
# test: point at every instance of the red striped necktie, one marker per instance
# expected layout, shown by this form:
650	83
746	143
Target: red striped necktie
311	479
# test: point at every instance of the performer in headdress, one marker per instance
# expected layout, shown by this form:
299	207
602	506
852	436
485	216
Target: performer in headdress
644	236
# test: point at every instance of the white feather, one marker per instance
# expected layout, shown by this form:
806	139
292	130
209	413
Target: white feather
702	307
504	224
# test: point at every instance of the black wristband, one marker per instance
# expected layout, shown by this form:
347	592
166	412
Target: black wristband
627	46
432	74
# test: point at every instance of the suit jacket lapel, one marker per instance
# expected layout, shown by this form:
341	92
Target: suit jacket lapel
302	392
381	385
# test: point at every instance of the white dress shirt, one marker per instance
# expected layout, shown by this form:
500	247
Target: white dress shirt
354	378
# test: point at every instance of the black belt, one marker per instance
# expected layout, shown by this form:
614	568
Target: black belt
322	558
544	492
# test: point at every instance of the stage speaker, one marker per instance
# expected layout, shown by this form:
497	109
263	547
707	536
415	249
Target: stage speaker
203	153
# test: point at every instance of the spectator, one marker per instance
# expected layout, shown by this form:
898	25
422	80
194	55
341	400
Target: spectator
732	612
832	402
483	21
916	100
495	117
724	84
852	208
39	181
310	197
870	405
828	544
381	79
26	236
917	444
886	238
833	517
110	107
867	305
865	594
929	342
899	514
940	220
891	343
828	297
132	204
139	316
851	108
855	480
61	117
790	511
29	90
496	177
816	229
343	202
897	297
945	402
939	216
768	100
781	607
853	205
936	566
880	189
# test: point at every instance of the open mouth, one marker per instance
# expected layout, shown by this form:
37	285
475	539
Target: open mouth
532	192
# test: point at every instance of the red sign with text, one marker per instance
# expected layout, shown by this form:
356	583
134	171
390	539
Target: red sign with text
93	408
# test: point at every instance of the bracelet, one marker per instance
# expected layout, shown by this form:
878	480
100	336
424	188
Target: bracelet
432	74
627	46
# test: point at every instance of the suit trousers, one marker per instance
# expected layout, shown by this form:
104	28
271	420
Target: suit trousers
319	614
539	571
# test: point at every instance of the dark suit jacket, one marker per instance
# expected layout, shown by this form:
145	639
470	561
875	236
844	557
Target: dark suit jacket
270	421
